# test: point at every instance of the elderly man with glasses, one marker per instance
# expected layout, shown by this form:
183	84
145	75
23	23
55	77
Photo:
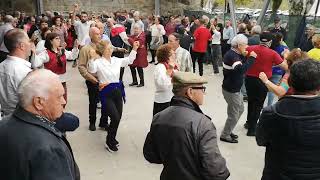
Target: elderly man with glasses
183	138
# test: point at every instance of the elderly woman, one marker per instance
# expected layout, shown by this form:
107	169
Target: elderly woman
141	60
54	58
162	77
157	32
290	128
235	64
315	52
111	89
283	87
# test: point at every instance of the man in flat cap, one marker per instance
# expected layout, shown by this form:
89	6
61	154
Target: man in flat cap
183	138
277	28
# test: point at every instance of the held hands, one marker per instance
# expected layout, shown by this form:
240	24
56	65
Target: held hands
263	77
253	54
76	44
136	45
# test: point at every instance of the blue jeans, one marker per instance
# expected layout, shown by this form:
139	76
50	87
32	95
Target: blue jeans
275	78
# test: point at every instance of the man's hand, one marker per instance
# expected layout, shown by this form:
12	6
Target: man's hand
253	54
75	7
136	45
263	77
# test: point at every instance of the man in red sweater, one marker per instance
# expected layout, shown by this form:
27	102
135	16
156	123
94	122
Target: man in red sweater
201	37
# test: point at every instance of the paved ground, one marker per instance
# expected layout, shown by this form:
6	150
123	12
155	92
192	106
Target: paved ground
245	160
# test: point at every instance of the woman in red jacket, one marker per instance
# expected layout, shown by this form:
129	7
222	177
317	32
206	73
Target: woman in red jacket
141	59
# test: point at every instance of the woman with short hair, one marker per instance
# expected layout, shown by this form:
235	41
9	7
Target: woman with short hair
157	32
162	77
315	52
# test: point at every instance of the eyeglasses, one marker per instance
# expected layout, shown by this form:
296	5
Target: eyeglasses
202	88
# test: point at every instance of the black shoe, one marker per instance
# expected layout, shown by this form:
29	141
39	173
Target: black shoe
133	84
141	85
234	136
229	140
92	127
216	72
103	125
245	98
152	62
246	125
251	133
111	147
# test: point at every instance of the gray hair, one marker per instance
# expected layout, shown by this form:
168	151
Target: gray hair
8	19
136	25
36	84
13	38
239	39
256	29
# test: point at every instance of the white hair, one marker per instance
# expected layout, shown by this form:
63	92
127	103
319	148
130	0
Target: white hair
239	39
256	29
136	25
36	84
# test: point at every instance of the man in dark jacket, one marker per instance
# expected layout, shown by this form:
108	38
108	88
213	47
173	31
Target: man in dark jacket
290	128
31	147
184	139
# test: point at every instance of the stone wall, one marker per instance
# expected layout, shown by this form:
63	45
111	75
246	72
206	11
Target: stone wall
98	6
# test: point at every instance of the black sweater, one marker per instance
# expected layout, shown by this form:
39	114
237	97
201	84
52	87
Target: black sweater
234	67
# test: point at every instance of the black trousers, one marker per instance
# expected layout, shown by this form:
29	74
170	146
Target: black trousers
119	55
198	56
113	108
134	74
158	107
153	55
93	92
257	93
3	56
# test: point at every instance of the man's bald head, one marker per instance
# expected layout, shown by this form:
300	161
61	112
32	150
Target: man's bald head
95	34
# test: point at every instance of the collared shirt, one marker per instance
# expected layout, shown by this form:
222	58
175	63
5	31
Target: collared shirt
109	71
12	71
183	59
228	34
3	30
82	30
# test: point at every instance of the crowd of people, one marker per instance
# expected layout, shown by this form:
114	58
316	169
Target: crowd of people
256	64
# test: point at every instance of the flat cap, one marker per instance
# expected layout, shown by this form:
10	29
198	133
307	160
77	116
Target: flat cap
187	78
265	37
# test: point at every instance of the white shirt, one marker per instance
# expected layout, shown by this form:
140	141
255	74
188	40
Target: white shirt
216	37
109	71
183	59
228	34
43	57
40	47
12	71
82	30
157	30
163	85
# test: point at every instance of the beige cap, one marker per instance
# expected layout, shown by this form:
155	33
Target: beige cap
187	78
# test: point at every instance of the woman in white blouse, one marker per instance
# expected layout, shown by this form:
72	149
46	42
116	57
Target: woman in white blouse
112	93
157	32
54	58
162	77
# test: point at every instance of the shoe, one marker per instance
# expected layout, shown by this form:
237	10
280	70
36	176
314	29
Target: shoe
245	98
111	148
133	84
246	125
228	140
251	133
234	136
140	85
74	64
151	62
103	125
92	127
216	72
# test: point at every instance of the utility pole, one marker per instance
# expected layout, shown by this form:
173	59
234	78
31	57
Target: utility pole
233	16
39	7
157	7
263	11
